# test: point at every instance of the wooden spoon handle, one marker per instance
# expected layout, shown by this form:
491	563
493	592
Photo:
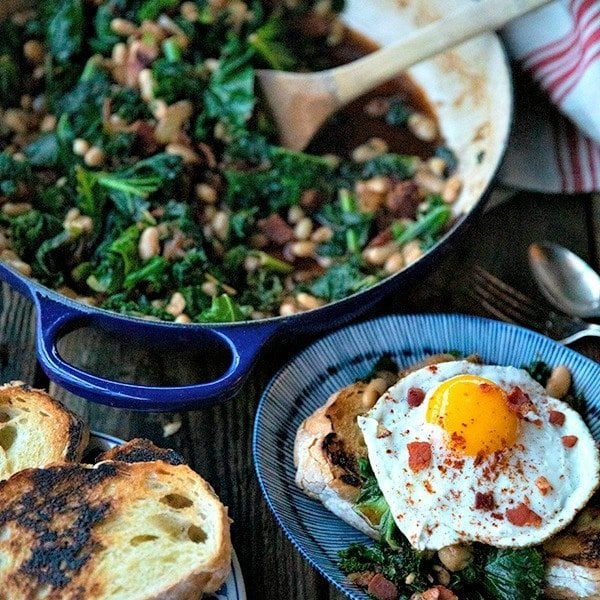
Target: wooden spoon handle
360	76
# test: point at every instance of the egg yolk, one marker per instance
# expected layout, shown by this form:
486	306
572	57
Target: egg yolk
474	413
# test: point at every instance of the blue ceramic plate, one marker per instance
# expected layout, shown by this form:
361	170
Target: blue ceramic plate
338	360
233	588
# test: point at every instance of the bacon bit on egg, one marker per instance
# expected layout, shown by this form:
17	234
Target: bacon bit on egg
519	402
382	588
427	485
569	441
415	397
522	515
439	592
557	418
484	501
486	387
543	485
419	455
497	516
382	432
433	368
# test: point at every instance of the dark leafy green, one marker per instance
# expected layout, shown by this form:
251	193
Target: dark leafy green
223	310
339	281
384	363
230	94
64	28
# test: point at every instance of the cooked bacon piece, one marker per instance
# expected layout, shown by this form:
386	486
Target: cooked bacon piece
415	397
402	200
419	455
382	238
439	592
557	418
361	579
519	402
485	501
147	142
311	199
276	229
543	485
382	588
569	440
522	516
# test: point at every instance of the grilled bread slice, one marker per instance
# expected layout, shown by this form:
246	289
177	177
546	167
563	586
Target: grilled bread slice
112	531
36	430
326	452
573	558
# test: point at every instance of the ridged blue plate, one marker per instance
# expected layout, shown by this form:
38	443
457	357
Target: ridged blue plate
233	588
305	383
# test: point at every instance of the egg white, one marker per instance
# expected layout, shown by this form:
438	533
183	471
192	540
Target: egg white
435	507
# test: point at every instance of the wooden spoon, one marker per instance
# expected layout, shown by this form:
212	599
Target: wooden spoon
302	102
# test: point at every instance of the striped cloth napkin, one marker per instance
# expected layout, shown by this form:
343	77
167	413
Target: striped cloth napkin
558	47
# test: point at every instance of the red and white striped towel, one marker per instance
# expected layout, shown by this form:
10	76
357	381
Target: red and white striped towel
558	46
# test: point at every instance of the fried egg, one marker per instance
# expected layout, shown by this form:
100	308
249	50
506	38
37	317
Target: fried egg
479	453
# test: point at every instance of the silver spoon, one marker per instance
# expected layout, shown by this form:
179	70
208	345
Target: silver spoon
566	280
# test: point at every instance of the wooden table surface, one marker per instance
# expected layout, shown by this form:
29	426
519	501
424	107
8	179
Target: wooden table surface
217	441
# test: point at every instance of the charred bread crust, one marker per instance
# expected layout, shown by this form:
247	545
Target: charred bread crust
51	531
325	470
566	580
66	425
573	558
141	450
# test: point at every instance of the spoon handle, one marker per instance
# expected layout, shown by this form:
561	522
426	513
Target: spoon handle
360	76
590	330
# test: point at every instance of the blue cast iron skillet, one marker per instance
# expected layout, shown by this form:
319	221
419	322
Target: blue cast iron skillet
242	341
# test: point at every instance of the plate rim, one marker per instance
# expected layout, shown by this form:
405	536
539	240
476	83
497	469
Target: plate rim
236	574
376	321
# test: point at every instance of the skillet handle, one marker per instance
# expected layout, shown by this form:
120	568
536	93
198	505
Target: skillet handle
242	343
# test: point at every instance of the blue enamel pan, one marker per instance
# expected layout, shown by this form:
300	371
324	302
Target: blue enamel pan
472	95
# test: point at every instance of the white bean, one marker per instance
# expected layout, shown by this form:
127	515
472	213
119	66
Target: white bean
559	383
394	263
176	304
149	244
451	189
303	229
308	302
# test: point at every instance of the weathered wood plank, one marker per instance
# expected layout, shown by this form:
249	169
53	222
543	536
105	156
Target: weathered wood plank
17	337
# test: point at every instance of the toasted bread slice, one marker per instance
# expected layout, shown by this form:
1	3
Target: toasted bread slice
112	531
36	430
326	452
141	450
573	559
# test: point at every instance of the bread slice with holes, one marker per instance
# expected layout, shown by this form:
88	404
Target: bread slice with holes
36	430
111	531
